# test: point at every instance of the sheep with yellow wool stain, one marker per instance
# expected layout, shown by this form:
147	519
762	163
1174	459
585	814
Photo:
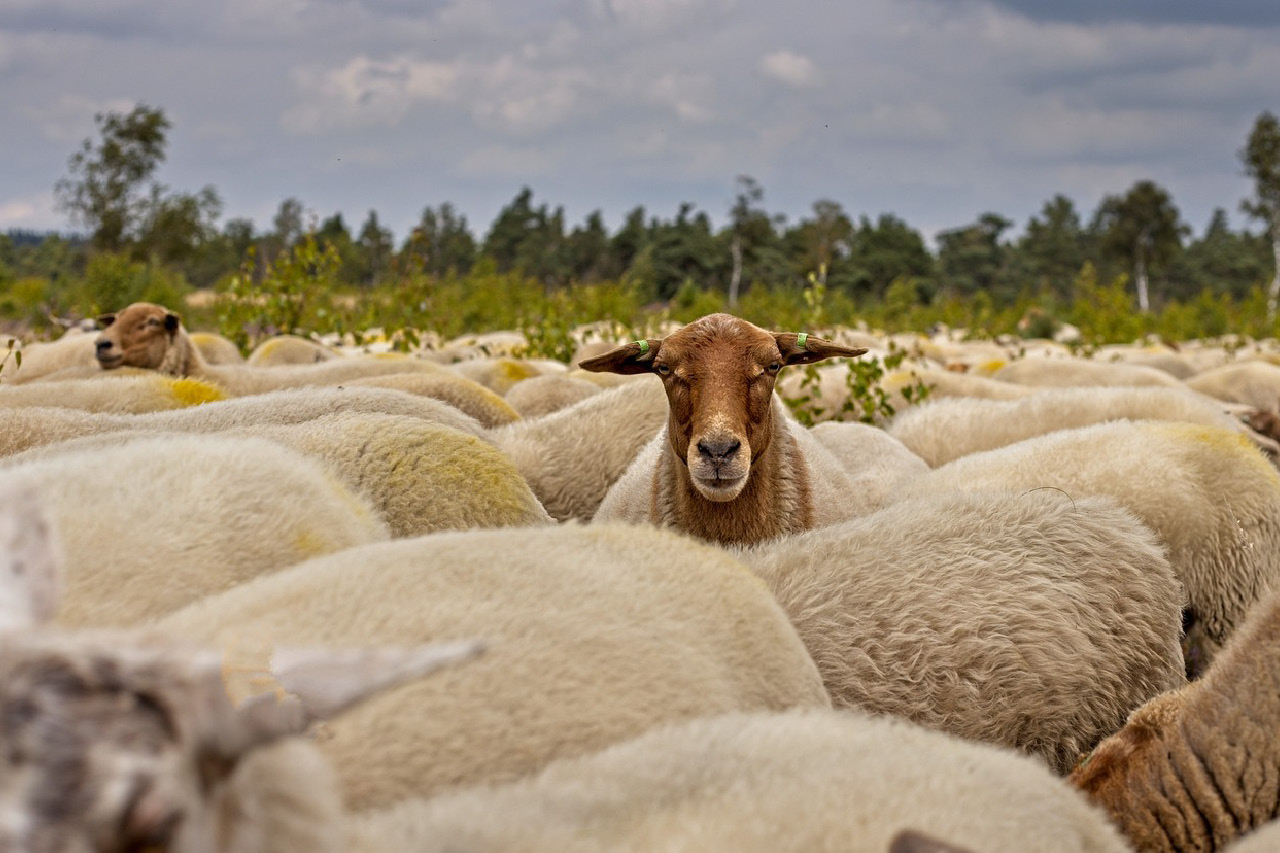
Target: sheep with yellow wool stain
114	394
596	633
26	428
500	374
1208	493
151	525
418	476
464	394
215	349
289	349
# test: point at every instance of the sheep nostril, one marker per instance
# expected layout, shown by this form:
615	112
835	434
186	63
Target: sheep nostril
721	449
103	346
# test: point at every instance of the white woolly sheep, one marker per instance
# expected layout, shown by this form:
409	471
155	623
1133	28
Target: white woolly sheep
898	384
113	394
805	781
543	395
570	458
1265	839
42	358
463	394
1210	496
1027	621
1071	372
1194	768
500	374
24	428
1254	383
289	349
215	349
731	465
155	524
877	463
148	336
30	560
597	632
1160	357
946	429
418	476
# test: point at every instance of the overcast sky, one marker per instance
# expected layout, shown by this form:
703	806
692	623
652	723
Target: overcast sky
934	110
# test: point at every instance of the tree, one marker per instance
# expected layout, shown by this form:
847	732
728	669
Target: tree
377	243
816	244
1053	248
752	231
441	242
107	188
1261	157
973	260
1143	226
883	252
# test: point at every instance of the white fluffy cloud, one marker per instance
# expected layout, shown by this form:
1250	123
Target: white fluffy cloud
791	68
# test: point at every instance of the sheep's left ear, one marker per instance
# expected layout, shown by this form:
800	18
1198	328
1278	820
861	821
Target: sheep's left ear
105	320
635	357
171	322
806	349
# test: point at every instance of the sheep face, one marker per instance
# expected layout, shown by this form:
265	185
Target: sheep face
1105	773
138	336
719	373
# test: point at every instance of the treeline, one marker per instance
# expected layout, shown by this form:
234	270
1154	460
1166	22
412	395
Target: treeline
145	241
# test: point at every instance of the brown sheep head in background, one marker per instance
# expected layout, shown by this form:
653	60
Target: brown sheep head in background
141	335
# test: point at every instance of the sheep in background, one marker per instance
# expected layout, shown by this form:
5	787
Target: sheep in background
25	428
543	395
877	463
731	465
1253	383
30	559
897	384
946	429
1209	495
1160	357
1195	768
597	633
463	394
155	524
570	458
1263	840
1071	372
1028	621
214	349
43	358
500	374
419	477
809	781
113	394
289	349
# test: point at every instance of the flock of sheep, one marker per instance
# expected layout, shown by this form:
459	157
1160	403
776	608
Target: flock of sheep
462	601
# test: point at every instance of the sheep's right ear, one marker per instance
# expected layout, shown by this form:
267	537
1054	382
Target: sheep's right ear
913	841
635	357
105	320
30	560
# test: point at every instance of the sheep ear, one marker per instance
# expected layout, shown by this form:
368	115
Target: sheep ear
30	559
913	841
171	322
105	320
806	349
635	357
249	705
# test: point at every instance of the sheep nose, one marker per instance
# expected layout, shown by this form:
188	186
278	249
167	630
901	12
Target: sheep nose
103	346
719	449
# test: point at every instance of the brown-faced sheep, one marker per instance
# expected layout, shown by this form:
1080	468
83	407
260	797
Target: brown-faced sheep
1195	768
807	781
597	633
1209	495
731	465
1029	621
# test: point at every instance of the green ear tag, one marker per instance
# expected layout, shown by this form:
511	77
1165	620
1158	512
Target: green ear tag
644	346
802	340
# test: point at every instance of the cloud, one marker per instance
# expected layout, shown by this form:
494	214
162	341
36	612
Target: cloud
791	68
1226	12
368	92
35	212
70	118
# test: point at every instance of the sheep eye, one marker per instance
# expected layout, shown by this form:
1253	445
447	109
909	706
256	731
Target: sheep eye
663	369
774	366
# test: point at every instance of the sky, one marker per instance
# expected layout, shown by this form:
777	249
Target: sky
933	110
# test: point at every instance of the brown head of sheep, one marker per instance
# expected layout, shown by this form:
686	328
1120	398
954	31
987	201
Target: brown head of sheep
120	742
144	335
719	372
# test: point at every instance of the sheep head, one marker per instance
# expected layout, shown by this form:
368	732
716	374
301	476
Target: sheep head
719	372
137	336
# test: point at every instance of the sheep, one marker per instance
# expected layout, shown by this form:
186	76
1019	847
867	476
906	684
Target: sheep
1068	372
25	428
611	426
149	336
597	633
802	780
1263	840
877	463
730	465
1024	620
543	395
215	349
42	358
154	524
1160	357
1194	768
289	349
1254	383
500	374
946	429
898	384
115	741
1210	496
113	394
464	394
30	559
419	477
